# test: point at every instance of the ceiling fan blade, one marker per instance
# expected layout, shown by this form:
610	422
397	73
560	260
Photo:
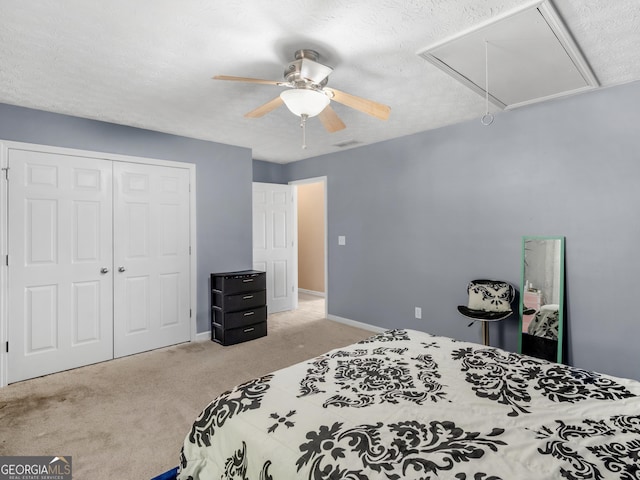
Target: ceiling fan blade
264	109
369	107
247	79
330	120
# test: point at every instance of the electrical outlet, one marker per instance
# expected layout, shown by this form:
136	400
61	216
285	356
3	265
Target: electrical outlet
418	312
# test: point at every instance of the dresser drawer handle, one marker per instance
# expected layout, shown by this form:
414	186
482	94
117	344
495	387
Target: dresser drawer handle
247	280
247	297
247	330
248	314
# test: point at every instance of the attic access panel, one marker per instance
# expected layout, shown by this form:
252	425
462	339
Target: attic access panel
531	57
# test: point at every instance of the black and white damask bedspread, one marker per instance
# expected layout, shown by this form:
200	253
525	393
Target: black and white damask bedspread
408	405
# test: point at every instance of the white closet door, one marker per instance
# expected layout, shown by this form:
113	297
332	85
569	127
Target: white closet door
151	257
60	256
273	242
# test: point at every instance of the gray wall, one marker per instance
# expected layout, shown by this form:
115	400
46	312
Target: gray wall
223	186
425	214
268	172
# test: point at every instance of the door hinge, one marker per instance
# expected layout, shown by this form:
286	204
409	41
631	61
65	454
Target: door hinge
189	313
6	261
7	347
6	172
189	249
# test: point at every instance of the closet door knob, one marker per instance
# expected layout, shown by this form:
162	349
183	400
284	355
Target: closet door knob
104	270
121	269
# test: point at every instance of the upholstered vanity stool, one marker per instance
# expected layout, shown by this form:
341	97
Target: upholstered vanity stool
489	301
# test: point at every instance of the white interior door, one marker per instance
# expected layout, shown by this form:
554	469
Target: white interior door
60	256
151	257
273	242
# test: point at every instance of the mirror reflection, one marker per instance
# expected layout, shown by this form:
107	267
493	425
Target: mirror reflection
541	300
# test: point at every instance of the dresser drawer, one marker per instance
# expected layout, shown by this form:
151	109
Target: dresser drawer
239	319
238	335
242	301
232	284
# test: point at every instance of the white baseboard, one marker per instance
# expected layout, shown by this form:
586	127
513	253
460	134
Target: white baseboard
354	323
203	336
311	292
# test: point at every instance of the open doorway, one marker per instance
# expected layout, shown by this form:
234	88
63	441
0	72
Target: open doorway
311	223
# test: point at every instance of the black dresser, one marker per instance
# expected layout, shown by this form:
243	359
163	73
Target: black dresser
238	306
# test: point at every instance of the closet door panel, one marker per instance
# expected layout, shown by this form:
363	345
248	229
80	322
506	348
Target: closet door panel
151	255
86	312
60	239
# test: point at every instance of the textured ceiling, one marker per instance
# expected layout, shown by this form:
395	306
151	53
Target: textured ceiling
149	63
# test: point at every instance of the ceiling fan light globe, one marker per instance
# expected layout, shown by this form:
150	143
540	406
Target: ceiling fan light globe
302	101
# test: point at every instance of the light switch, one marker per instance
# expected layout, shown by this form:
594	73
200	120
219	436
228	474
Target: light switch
342	240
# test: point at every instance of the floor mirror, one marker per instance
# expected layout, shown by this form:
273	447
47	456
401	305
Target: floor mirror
542	298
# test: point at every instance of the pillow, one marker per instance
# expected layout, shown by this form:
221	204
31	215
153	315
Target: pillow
490	296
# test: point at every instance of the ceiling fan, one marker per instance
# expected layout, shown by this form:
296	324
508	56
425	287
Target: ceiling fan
307	94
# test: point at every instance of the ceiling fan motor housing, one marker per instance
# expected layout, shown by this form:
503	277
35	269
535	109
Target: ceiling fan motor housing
306	72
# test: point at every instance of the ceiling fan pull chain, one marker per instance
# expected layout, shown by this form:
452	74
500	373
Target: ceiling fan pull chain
303	125
487	118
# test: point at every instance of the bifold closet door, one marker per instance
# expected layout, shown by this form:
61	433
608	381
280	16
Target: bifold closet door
151	257
60	256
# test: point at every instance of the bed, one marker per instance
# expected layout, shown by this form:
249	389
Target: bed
407	404
545	322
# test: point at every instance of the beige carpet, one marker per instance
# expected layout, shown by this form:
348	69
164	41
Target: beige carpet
126	419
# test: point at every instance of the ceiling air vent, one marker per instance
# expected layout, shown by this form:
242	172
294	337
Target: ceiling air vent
348	143
530	56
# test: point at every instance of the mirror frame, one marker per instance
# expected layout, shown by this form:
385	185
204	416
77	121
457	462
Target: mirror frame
561	307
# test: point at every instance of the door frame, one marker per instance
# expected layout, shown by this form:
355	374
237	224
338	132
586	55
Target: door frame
5	147
304	181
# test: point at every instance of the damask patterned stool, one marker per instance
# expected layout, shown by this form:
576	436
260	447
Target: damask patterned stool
489	301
